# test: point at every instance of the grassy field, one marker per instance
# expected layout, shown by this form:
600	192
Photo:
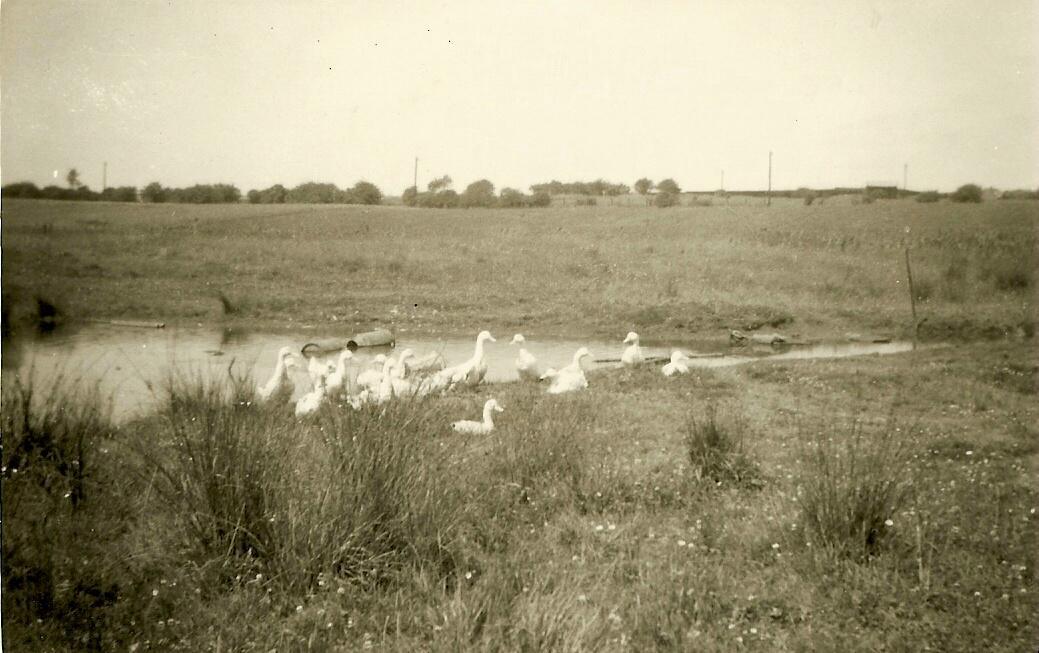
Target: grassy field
875	503
602	271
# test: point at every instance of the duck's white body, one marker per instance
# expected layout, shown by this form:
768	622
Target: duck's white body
571	378
479	428
678	364
336	381
311	401
526	363
280	383
471	372
319	367
370	378
633	354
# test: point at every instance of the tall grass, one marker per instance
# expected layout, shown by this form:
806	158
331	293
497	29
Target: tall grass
852	483
716	448
357	495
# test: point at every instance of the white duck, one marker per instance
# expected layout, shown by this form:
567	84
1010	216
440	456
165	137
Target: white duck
571	377
369	379
279	383
318	367
472	371
336	381
526	364
633	354
479	428
310	402
677	365
401	366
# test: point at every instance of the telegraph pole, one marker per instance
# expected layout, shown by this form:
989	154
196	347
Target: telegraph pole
416	174
768	198
104	176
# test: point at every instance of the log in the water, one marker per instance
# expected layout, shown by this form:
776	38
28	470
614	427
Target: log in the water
377	338
131	323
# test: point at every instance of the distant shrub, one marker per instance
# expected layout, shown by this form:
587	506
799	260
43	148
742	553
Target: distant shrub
479	194
120	194
664	200
928	196
1020	194
410	196
273	195
512	198
668	186
364	192
540	199
643	186
967	193
445	199
22	189
715	448
585	201
153	192
851	485
807	194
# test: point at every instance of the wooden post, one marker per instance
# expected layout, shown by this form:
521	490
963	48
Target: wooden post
912	298
768	198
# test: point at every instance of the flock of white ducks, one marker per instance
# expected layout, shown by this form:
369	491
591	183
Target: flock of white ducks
410	376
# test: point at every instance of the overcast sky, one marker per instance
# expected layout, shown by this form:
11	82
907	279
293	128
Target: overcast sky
256	93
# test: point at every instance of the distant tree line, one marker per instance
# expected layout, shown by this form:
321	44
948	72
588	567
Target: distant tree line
310	192
599	188
197	194
479	194
29	190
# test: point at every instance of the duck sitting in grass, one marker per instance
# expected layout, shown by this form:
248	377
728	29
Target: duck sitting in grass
571	377
633	354
678	364
471	427
526	364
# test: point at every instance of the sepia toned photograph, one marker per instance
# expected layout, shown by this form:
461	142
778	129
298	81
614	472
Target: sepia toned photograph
499	326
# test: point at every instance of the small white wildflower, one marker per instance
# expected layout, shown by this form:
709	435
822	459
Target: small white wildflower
582	598
155	592
888	522
613	527
299	608
775	545
681	542
598	528
753	631
468	575
970	453
341	591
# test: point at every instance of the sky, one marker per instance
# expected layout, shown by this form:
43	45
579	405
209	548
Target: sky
257	93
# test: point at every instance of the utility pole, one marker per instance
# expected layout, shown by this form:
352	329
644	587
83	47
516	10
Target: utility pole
104	176
768	198
416	174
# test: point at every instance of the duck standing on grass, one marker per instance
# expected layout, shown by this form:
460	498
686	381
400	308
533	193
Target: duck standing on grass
336	381
471	427
279	384
526	364
471	372
678	364
370	378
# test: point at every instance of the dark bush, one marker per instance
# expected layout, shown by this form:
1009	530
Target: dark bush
967	193
511	198
273	195
365	192
540	199
120	194
1020	194
23	189
153	192
664	200
479	194
669	186
928	197
410	196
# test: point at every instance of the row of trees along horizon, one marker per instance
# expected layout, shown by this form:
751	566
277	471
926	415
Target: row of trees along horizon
439	194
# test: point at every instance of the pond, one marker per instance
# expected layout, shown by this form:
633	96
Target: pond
132	364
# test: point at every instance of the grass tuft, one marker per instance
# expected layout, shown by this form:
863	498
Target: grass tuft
852	483
716	450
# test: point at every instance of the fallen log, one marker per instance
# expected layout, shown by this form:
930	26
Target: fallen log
376	338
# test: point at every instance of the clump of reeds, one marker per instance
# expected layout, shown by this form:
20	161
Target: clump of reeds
852	484
716	448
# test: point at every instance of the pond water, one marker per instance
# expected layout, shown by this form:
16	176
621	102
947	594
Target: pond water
131	364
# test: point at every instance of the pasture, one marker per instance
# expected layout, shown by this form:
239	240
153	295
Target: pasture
873	503
670	274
